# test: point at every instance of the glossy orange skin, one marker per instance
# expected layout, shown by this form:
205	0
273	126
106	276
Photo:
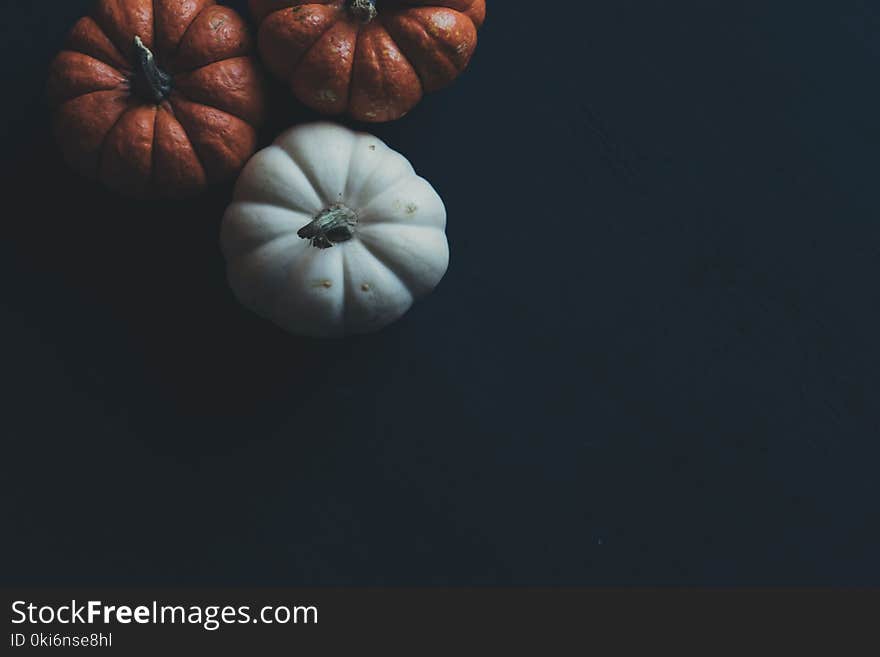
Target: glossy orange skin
203	132
376	71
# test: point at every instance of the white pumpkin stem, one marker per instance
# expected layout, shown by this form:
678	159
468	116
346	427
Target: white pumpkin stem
149	81
365	10
333	226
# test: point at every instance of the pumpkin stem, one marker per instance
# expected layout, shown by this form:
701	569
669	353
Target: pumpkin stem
149	81
333	226
364	10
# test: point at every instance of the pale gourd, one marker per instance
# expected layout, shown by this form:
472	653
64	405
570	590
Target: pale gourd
332	233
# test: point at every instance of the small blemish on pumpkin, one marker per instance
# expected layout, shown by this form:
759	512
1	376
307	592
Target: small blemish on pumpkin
443	21
411	208
365	287
372	147
326	284
327	96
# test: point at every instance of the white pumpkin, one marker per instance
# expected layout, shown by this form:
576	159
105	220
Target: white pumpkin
332	233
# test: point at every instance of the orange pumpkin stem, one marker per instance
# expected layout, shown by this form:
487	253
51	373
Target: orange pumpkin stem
364	10
149	81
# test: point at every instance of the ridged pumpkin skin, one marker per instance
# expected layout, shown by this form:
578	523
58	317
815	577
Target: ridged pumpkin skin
374	64
200	129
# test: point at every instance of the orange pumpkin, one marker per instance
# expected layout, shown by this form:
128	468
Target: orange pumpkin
371	59
157	98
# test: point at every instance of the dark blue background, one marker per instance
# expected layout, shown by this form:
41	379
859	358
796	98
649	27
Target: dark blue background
654	359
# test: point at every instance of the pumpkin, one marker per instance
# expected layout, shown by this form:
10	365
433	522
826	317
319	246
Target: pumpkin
332	233
157	98
371	59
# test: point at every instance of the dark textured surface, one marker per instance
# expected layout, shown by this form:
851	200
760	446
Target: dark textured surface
654	359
